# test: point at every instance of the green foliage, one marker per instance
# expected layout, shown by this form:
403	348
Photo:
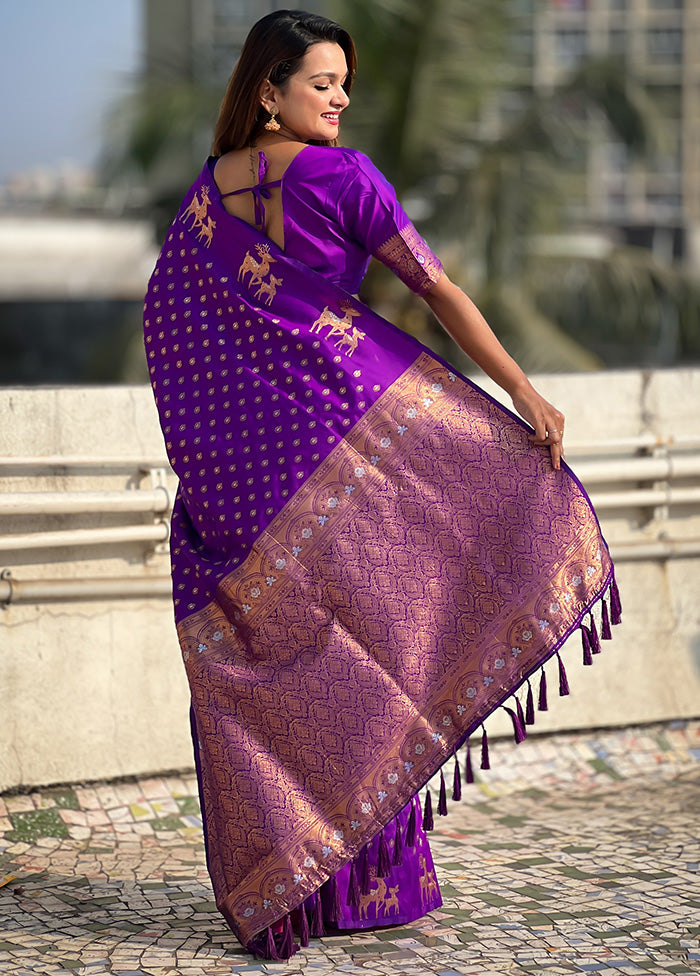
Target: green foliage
424	69
626	304
156	139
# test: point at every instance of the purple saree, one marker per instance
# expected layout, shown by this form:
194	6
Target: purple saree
368	555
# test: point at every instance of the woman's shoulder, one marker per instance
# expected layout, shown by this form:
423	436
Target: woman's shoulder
339	160
339	164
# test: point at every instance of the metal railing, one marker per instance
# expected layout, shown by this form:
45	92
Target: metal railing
647	474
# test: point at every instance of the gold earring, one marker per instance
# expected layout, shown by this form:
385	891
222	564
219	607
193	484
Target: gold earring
273	125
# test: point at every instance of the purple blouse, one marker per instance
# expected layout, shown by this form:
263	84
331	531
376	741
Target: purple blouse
338	211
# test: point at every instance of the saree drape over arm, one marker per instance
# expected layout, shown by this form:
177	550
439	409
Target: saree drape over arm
368	554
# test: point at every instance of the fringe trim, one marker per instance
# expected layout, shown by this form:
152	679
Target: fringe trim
521	718
277	942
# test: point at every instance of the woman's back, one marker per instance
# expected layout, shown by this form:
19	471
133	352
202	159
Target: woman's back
240	169
329	208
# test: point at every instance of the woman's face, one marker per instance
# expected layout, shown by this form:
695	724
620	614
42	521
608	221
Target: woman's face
311	101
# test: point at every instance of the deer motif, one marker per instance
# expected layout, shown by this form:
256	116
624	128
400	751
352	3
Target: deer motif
374	897
337	325
392	901
350	341
197	210
206	231
428	881
268	288
256	269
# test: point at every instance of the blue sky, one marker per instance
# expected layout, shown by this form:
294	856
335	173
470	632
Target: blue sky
62	64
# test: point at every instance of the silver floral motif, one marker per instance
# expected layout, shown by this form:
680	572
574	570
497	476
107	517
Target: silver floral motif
280	563
201	647
385	442
393	778
280	889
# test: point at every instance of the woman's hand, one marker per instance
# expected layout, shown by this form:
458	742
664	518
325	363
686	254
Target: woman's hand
467	326
547	421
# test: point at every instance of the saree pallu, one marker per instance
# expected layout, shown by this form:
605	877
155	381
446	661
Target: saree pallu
368	556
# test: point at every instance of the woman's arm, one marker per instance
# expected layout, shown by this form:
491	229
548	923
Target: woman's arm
460	317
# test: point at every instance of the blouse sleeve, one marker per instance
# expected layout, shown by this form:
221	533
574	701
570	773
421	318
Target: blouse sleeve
369	212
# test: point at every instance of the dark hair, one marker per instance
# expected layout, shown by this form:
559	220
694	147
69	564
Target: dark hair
273	49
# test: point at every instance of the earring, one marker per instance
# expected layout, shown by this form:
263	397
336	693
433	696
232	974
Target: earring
273	125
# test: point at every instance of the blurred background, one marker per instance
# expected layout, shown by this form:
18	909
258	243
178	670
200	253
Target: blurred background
548	149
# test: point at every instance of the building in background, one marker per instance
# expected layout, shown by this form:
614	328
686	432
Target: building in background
656	203
203	38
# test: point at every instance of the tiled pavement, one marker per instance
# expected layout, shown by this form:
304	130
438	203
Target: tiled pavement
573	854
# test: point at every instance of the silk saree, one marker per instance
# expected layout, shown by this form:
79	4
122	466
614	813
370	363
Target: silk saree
368	555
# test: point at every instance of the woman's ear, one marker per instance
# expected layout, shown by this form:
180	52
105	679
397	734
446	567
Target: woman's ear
266	94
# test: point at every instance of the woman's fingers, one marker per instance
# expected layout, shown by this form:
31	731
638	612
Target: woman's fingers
549	432
547	421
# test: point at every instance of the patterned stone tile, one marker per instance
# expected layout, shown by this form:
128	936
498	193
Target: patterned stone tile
572	854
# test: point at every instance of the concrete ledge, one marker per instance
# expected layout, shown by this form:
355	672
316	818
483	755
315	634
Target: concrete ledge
95	688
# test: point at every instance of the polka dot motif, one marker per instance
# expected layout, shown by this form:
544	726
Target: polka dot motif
250	400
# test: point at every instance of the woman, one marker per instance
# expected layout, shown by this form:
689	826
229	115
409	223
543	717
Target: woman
369	554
